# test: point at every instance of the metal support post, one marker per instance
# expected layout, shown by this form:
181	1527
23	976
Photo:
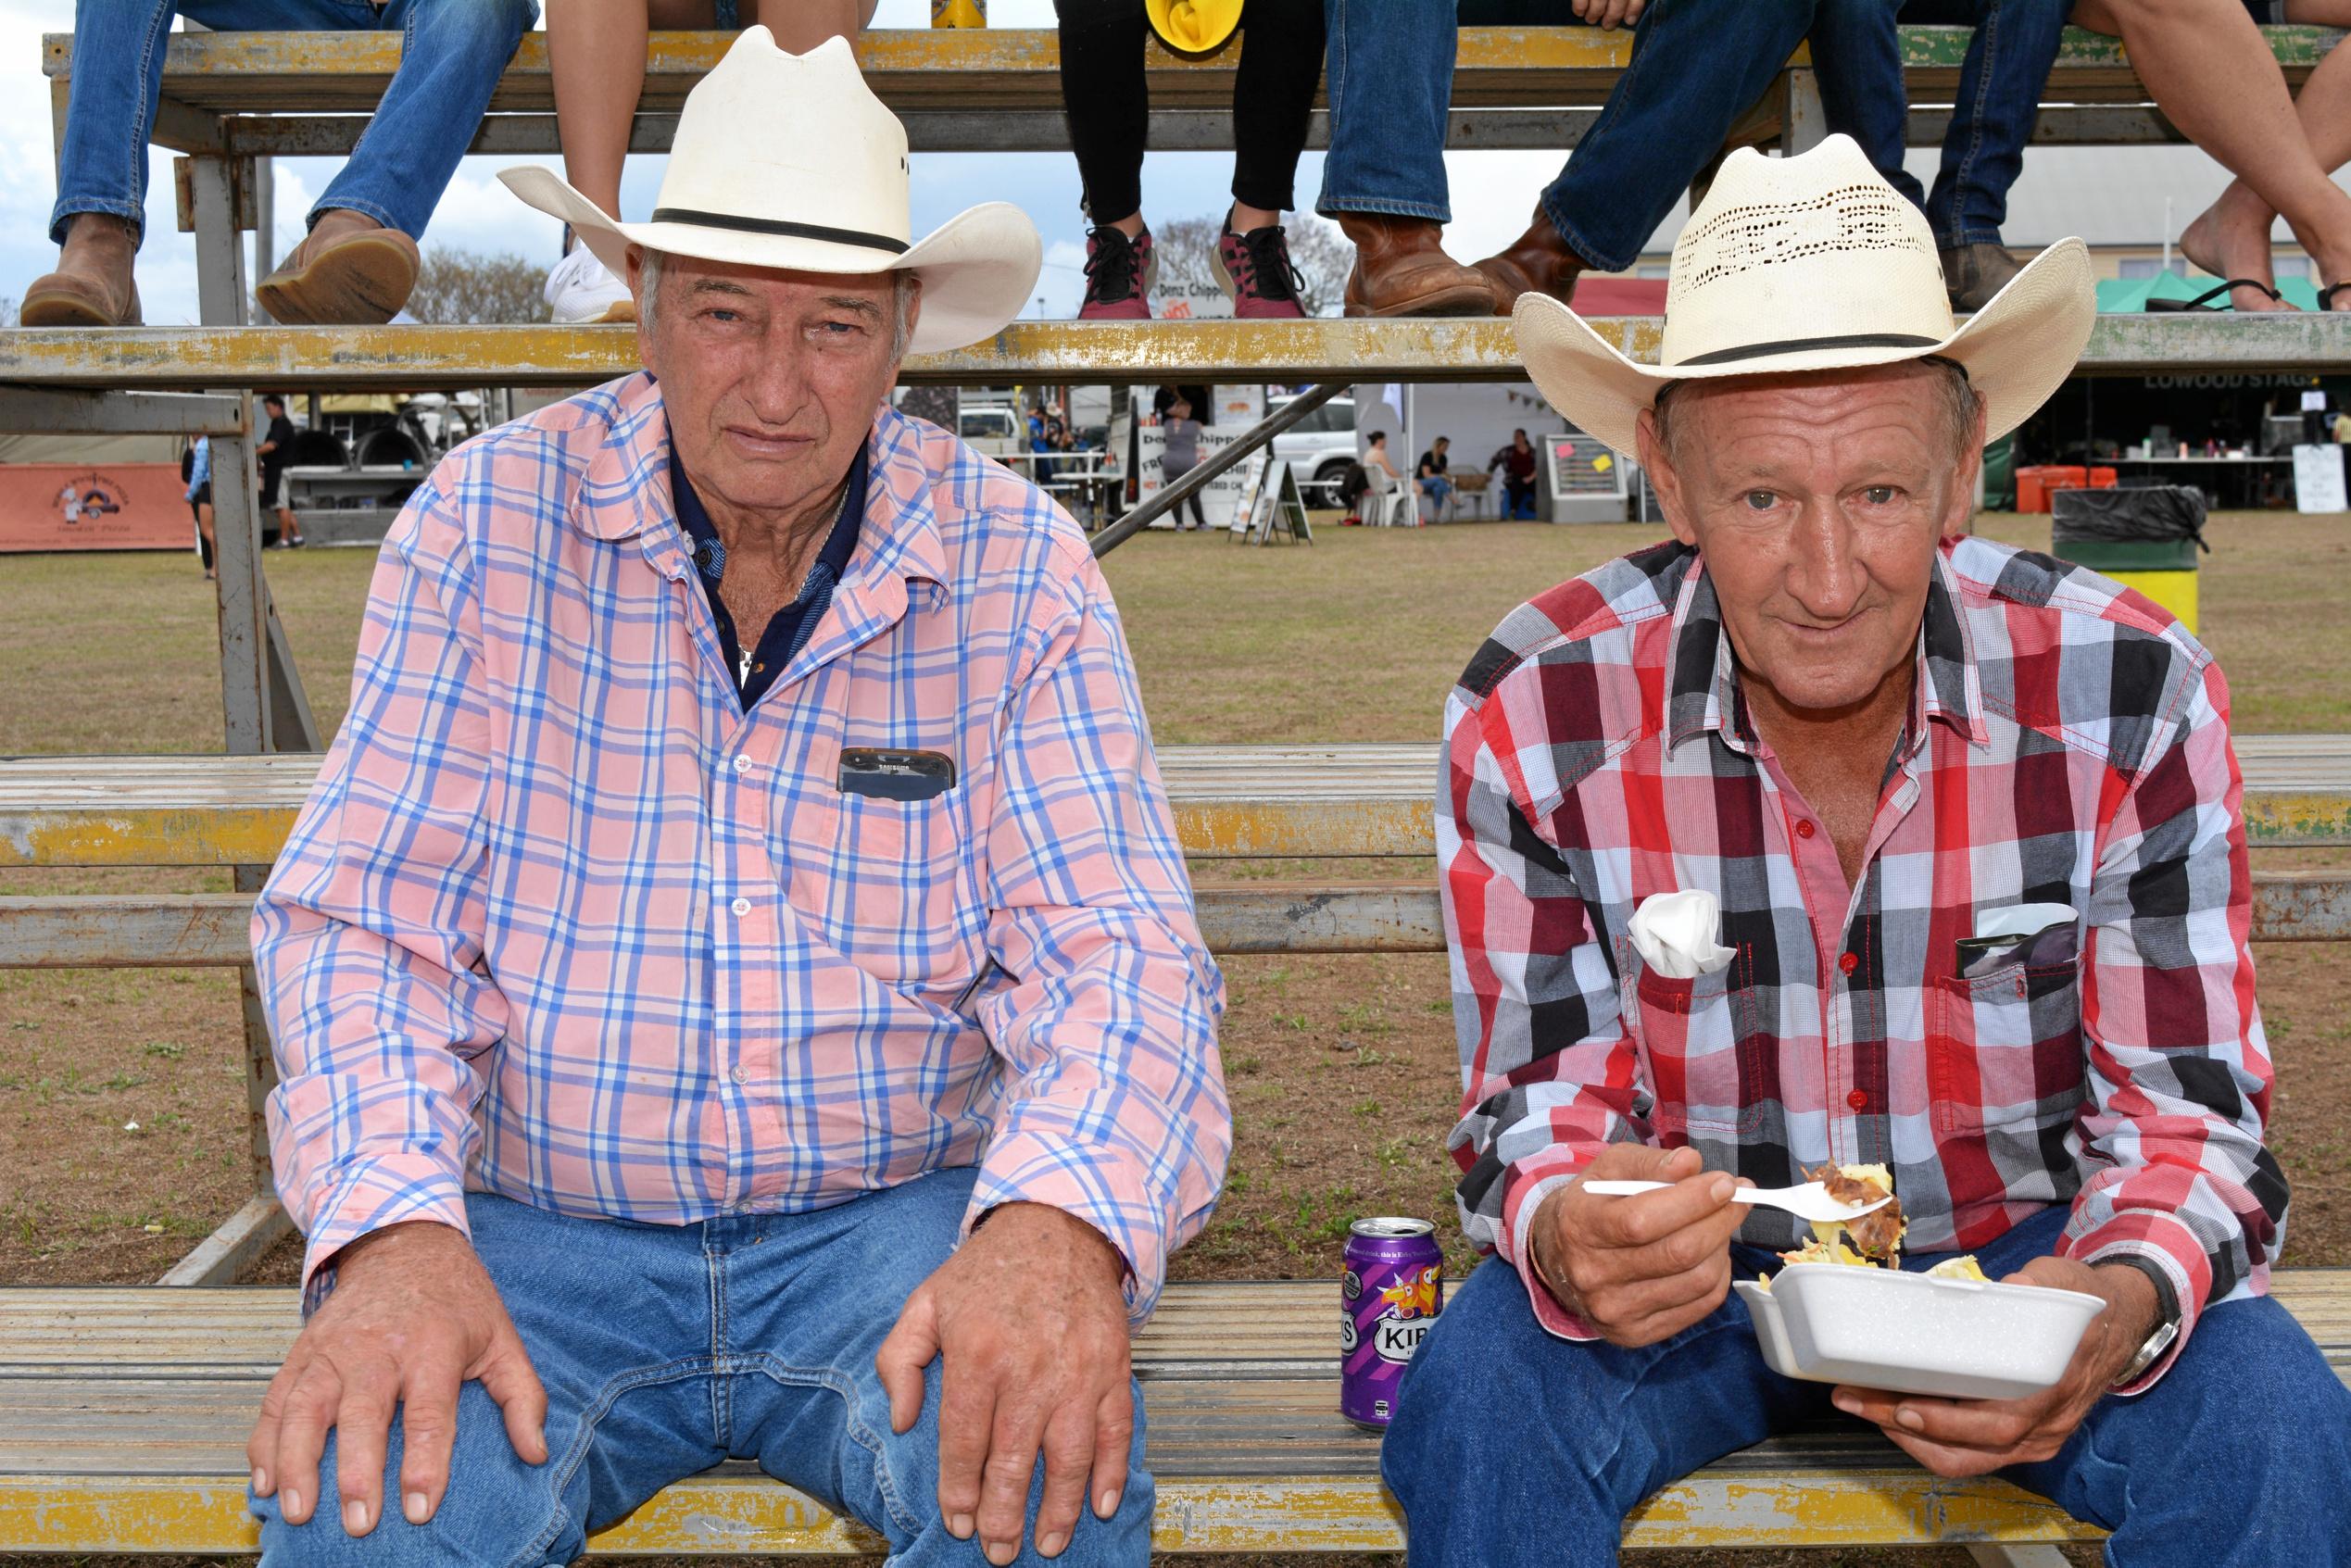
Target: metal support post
265	216
212	194
1806	124
1257	436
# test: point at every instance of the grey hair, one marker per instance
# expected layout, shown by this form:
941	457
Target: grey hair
1961	405
650	262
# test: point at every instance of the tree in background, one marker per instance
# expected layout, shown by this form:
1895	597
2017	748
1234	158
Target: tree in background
1186	250
458	287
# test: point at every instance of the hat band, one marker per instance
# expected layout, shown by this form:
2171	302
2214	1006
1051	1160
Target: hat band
778	226
1801	346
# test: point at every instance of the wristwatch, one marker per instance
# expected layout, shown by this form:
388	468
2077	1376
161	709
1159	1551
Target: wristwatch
2166	1327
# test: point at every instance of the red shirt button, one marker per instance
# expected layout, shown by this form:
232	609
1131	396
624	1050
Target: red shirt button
1804	828
1858	1099
1848	962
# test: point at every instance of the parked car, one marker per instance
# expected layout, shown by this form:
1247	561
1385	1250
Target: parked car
1319	448
994	429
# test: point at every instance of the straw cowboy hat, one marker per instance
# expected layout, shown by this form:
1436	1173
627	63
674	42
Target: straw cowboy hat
1814	263
790	161
1193	26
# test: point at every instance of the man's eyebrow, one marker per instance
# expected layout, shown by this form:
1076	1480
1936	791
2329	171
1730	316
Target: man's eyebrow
855	304
717	285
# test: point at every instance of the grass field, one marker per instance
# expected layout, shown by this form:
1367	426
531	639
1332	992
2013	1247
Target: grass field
1341	1069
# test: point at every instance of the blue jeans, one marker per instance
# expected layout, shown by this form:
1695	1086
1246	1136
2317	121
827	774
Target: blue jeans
1510	1446
1697	65
1388	72
666	1349
451	54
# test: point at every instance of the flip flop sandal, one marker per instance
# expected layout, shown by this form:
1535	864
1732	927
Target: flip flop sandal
2326	295
2215	292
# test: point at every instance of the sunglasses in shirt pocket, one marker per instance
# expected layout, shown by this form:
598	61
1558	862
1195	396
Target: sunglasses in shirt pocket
898	902
1711	1072
2003	1036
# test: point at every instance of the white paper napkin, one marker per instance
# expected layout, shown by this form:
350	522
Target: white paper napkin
1675	933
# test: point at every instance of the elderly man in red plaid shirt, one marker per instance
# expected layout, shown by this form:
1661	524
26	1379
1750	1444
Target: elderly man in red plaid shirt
1971	823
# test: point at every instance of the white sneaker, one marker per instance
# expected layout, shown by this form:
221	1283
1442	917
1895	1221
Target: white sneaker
581	289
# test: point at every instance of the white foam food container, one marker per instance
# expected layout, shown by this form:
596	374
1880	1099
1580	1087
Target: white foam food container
1909	1334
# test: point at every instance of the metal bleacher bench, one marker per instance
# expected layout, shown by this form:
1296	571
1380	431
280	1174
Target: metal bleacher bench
123	1411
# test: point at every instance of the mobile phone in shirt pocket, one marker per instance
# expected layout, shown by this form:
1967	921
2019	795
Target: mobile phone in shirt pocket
2004	1045
1710	1070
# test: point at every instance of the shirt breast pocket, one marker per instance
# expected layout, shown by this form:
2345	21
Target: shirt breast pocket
2005	1048
894	900
1710	1070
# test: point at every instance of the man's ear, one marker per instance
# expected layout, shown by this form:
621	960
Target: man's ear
1662	477
1959	508
633	266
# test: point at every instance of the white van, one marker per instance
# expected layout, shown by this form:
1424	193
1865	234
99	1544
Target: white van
1319	448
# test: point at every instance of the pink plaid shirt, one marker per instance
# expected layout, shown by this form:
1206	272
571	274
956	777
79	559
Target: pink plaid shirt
560	921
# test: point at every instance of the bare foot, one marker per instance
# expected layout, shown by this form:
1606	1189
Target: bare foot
2230	239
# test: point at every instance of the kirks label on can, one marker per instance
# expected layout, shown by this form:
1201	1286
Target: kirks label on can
1393	1288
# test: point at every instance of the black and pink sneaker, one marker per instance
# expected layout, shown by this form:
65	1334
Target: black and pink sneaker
1255	271
1118	276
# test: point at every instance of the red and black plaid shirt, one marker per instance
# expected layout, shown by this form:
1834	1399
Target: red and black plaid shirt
2069	744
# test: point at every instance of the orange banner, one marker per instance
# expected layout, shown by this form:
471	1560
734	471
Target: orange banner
87	507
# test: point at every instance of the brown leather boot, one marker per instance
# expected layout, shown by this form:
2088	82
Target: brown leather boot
1974	273
1536	262
92	286
351	271
1401	270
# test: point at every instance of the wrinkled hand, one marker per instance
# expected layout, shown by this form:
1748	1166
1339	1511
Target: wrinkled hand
1975	1436
1610	13
1031	1321
413	1315
1638	1269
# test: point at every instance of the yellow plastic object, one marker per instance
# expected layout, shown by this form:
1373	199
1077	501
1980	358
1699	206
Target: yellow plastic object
958	13
1193	26
2175	590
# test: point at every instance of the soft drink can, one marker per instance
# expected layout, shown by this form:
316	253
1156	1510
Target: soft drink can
1393	1290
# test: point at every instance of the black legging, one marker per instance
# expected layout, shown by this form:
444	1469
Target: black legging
1110	109
1175	513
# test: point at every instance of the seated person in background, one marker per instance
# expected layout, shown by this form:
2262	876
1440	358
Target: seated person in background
2212	73
1379	468
1871	744
1516	462
596	56
734	984
1390	87
1431	472
358	264
1109	104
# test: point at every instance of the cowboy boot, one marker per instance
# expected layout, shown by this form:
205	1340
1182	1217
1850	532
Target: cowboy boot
350	271
1401	270
92	286
1535	262
1974	273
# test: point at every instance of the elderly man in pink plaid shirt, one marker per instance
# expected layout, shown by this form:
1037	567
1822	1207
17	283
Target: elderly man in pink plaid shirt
734	983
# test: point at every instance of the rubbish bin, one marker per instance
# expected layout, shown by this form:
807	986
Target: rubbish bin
2146	539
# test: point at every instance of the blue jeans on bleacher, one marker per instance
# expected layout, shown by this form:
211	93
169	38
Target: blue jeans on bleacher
1388	72
666	1349
1513	1448
451	54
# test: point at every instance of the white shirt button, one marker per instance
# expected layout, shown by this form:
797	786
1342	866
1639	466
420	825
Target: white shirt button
743	763
742	1074
741	907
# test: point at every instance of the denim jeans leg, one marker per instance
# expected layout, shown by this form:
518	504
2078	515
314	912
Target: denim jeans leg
452	53
1511	1447
110	107
807	1301
1389	76
1999	99
1696	67
617	1322
1856	57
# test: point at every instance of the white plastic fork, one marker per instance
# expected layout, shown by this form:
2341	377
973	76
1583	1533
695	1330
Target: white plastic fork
1807	1200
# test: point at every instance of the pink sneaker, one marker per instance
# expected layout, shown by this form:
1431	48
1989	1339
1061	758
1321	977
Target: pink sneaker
1118	276
1254	270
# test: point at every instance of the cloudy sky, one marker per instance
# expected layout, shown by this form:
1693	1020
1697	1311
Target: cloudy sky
1492	193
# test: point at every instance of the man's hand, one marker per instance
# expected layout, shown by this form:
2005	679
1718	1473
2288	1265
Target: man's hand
1638	1269
1032	1322
1610	13
413	1315
1976	1437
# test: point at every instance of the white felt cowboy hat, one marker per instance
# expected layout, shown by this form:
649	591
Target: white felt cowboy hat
1814	263
790	161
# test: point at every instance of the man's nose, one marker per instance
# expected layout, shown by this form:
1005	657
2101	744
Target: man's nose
1823	575
777	385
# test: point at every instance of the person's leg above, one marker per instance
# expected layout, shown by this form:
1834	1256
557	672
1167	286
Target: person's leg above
809	1298
596	56
1389	83
1108	103
1511	1447
1273	101
359	263
617	1322
2211	71
1856	58
1696	67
